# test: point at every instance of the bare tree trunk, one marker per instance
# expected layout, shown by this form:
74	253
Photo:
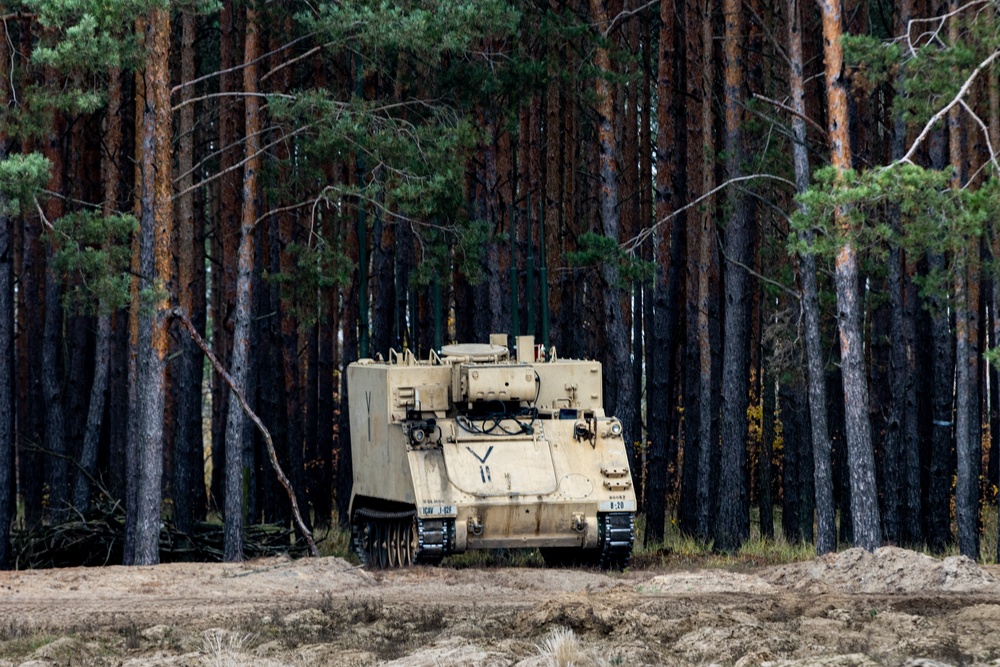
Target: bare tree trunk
706	235
228	233
732	525
384	299
993	87
826	530
901	445
8	478
56	467
289	323
659	373
795	440
188	482
236	428
861	460
620	403
967	478
102	346
766	501
52	385
95	413
155	262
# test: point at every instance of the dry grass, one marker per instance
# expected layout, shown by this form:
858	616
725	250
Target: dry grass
678	549
562	648
227	649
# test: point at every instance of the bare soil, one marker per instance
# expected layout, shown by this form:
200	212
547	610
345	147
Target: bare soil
850	609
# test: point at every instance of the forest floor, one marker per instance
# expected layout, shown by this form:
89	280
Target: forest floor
850	608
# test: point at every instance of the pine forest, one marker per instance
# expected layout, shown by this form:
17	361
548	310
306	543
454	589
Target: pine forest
775	223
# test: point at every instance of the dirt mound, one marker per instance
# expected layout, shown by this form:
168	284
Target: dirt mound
708	581
887	570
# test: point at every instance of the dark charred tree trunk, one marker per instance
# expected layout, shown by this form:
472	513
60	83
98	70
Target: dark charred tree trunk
188	484
56	468
53	388
687	509
95	414
290	363
102	346
901	435
384	301
620	401
879	362
236	420
345	471
938	521
671	187
765	475
841	473
791	424
310	436
31	407
8	478
993	472
966	377
326	384
706	306
228	237
732	526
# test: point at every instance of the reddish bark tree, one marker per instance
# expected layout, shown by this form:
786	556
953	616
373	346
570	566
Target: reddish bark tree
150	324
861	461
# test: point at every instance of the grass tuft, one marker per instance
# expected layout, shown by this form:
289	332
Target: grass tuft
562	648
223	649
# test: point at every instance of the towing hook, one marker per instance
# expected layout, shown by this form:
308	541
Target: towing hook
475	525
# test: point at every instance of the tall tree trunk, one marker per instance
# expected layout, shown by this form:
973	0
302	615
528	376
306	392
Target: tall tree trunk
795	440
102	346
188	485
228	233
993	86
619	403
629	210
56	467
938	520
384	298
8	478
236	431
289	323
826	536
861	460
766	502
660	373
155	263
901	435
706	240
555	142
732	526
967	478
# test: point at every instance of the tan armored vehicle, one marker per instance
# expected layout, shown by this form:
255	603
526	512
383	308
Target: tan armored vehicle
474	449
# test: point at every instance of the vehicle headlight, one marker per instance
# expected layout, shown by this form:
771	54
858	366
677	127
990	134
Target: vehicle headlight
616	428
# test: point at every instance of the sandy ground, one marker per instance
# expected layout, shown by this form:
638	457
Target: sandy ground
853	608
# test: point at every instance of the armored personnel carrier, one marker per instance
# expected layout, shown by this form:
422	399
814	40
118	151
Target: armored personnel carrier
476	449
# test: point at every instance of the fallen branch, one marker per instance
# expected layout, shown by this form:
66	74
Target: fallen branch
200	342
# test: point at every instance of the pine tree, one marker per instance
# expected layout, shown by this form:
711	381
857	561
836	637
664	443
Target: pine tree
864	504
